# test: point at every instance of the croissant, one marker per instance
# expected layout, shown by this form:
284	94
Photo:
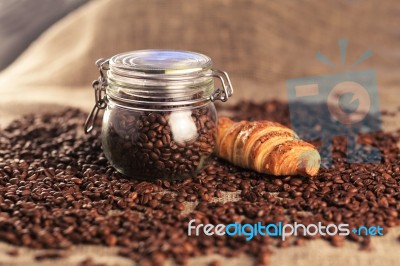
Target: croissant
266	147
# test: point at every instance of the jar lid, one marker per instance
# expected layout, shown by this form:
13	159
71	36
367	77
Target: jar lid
160	62
152	79
161	74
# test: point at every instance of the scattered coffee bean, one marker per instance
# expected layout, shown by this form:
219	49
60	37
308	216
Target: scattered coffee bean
90	262
263	258
216	263
49	255
76	197
13	252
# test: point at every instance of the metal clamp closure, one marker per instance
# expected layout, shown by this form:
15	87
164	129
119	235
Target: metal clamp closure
99	87
227	91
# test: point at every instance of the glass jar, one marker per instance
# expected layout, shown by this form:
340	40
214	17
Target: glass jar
159	119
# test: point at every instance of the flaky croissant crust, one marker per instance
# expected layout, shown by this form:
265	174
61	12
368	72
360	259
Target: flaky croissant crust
266	147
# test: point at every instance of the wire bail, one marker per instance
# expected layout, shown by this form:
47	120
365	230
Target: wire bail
227	91
99	85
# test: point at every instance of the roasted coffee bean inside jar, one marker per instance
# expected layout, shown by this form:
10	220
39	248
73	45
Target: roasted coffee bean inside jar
150	145
159	120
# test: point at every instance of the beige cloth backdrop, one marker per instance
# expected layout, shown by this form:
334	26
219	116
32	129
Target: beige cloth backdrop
259	43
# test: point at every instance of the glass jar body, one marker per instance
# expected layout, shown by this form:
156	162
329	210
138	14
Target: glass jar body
152	144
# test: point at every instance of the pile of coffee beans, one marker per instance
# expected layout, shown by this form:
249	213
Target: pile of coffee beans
57	189
151	145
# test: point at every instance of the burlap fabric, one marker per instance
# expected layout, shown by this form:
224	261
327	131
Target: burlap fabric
23	21
259	43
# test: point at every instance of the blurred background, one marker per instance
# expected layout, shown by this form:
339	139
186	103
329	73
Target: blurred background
49	47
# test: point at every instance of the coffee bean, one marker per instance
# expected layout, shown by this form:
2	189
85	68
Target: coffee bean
154	156
111	240
161	119
337	241
159	143
147	145
216	263
156	153
77	181
89	262
264	257
366	244
299	242
176	156
159	165
76	197
13	252
49	255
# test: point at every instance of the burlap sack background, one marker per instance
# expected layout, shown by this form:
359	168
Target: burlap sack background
259	43
23	21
